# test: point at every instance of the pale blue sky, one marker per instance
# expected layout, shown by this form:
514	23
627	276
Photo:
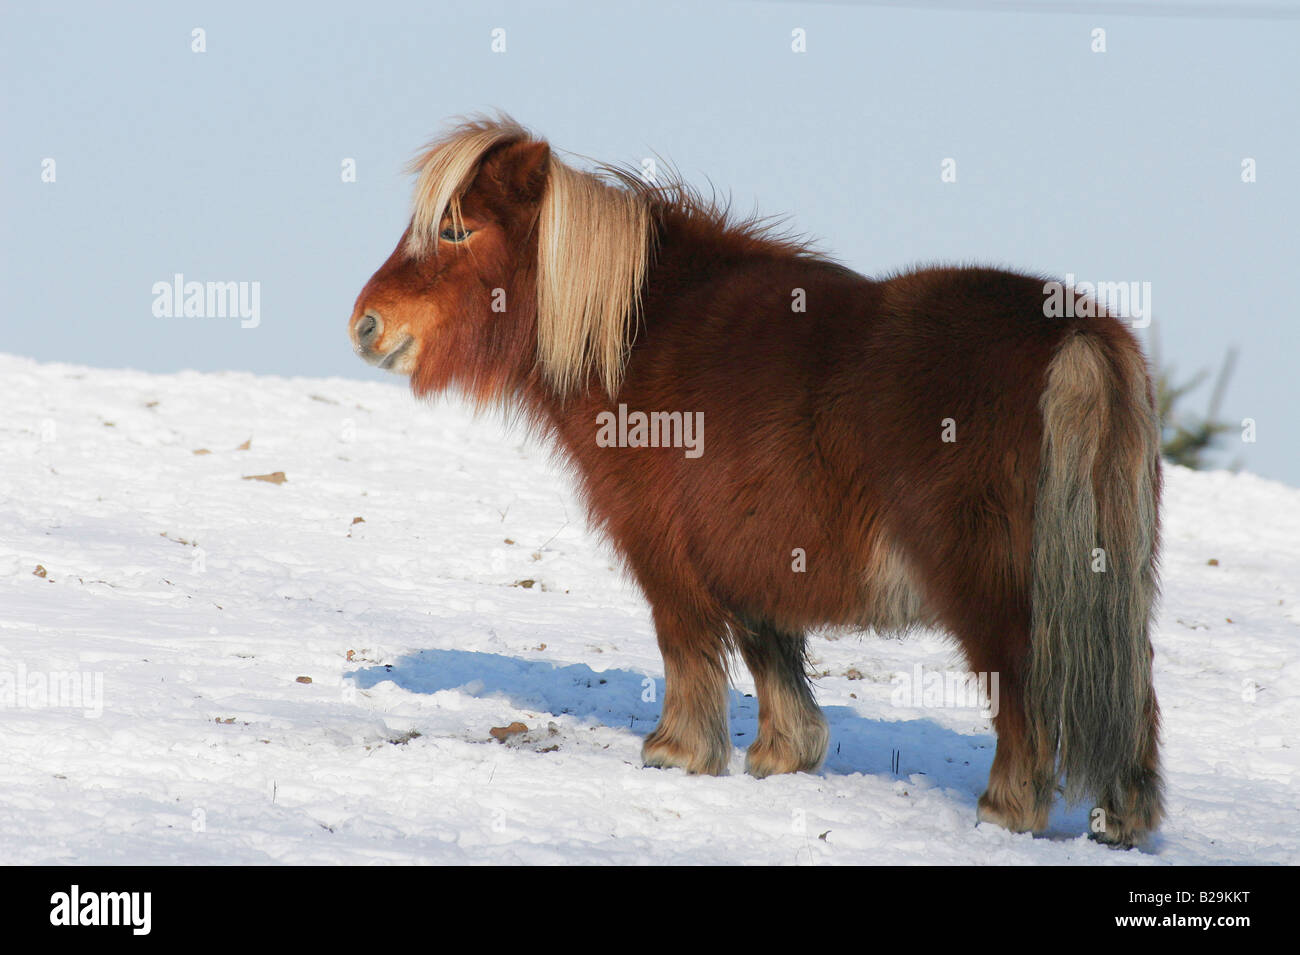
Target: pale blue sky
225	165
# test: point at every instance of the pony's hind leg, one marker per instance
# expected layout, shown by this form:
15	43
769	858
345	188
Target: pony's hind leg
1023	780
792	733
692	730
1022	783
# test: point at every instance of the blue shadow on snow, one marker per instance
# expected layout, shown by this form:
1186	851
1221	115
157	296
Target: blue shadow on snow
614	698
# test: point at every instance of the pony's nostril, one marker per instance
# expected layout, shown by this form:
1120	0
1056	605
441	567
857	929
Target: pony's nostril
368	329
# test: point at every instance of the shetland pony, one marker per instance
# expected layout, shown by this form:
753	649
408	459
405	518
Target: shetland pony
925	449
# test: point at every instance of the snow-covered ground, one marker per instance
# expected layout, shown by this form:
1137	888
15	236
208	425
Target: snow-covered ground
180	607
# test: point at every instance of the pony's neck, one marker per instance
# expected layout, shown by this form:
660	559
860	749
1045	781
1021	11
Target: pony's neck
712	234
692	247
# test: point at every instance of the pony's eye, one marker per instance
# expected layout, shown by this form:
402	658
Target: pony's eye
452	235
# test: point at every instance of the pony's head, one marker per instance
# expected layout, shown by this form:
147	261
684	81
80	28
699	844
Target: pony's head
514	266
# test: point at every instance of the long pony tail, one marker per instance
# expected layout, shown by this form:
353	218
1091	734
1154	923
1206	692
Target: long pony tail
1090	703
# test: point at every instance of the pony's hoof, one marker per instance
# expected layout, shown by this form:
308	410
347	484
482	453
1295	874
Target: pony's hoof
987	810
662	753
1113	842
770	757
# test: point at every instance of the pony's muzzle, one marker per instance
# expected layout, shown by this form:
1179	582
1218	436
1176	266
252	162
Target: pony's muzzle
367	330
368	335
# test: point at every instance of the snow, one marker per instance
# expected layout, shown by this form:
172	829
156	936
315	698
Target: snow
200	598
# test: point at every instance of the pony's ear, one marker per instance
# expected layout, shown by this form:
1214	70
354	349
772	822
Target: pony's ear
521	168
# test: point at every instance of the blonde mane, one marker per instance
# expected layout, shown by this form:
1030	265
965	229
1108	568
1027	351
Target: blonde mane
594	243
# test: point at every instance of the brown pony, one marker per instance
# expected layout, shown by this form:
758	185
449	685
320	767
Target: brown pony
927	449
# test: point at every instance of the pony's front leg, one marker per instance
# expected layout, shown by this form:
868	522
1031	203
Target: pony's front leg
692	730
792	733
